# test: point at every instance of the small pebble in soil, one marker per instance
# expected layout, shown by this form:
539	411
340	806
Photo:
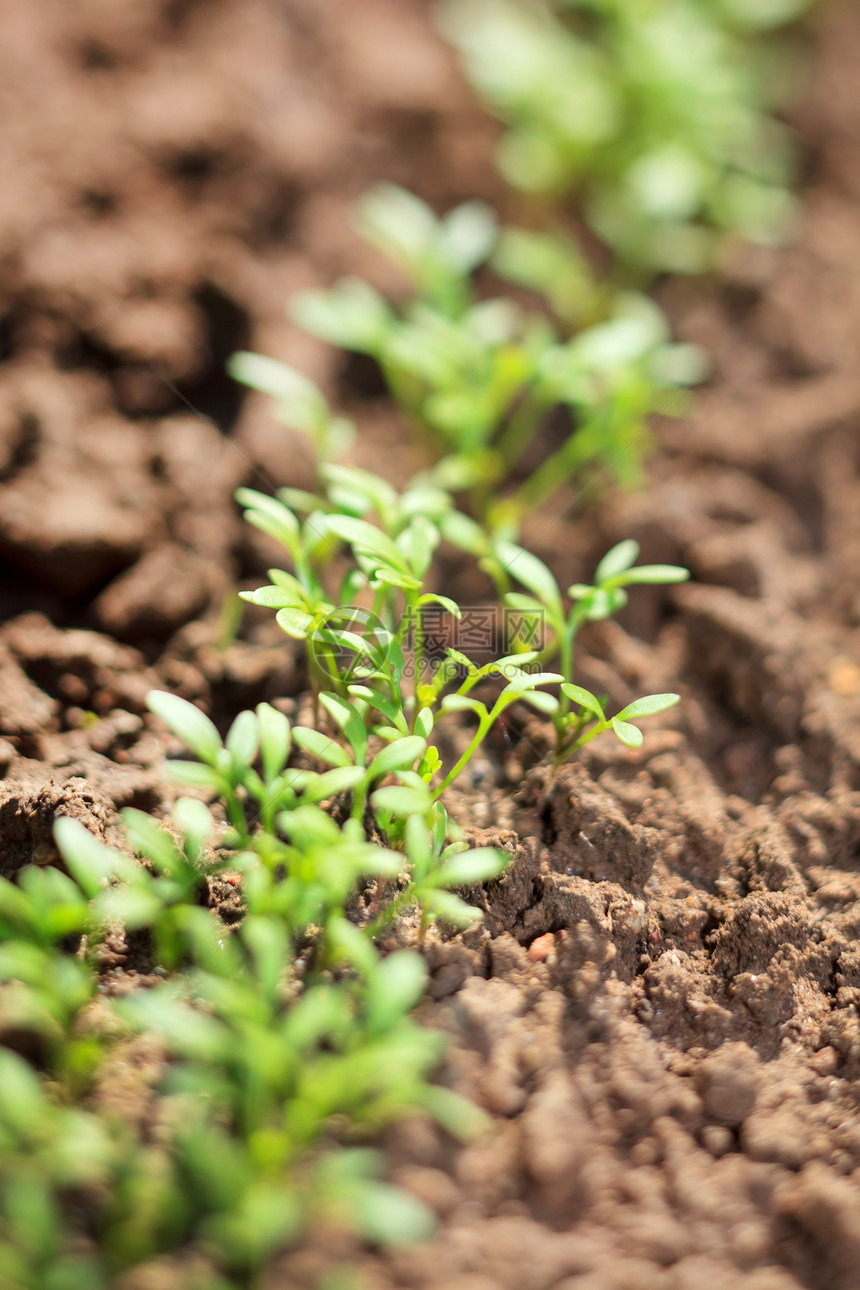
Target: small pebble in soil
541	947
717	1139
843	677
825	1061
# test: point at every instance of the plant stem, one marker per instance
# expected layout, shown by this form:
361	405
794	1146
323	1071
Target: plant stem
564	750
479	735
417	657
522	425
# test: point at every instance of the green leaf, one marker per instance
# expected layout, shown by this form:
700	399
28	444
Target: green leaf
369	858
243	739
480	865
512	664
463	532
647	706
604	602
308	825
630	735
274	740
468	234
462	703
424	723
462	660
540	701
529	680
135	907
187	1030
399	224
368	539
525	604
384	704
395	988
332	782
457	1116
453	909
23	1104
269	515
187	722
400	801
417	542
616	561
274	597
299	399
195	821
655	574
531	572
350	718
584	698
433	598
321	746
321	1011
92	864
280	578
352	315
388	1216
295	622
267	938
352	944
266	1217
152	840
393	578
375	490
397	756
191	774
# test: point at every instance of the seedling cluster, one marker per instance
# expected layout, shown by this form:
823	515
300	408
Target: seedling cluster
287	1039
659	116
477	378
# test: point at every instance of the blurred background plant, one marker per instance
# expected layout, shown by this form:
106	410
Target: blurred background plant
656	115
479	378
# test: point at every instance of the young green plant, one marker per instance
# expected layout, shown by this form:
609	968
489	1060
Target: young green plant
659	117
581	716
480	378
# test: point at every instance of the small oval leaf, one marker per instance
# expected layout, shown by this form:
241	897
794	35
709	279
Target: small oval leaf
187	722
397	756
647	706
621	557
630	735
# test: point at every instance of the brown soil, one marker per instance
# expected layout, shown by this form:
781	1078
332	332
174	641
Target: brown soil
660	1012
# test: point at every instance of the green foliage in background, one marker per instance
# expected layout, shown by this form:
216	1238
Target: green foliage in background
282	1038
657	114
479	378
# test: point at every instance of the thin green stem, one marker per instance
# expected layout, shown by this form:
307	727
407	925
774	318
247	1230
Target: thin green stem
567	641
557	469
565	749
480	734
522	426
417	657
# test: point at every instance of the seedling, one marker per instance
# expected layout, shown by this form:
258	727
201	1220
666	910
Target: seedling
657	116
479	379
290	1031
362	653
297	402
580	715
266	1054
